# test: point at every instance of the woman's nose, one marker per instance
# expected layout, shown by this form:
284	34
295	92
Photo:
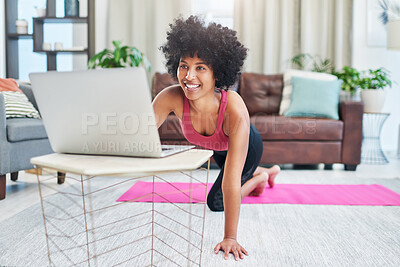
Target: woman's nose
191	74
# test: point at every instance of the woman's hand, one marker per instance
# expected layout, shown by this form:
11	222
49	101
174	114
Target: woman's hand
231	245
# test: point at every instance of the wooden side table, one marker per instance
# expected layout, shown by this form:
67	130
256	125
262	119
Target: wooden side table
84	225
371	150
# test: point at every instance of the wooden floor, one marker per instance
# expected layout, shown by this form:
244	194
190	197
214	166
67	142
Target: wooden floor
24	192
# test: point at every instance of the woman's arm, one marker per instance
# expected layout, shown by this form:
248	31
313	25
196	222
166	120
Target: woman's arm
165	102
237	119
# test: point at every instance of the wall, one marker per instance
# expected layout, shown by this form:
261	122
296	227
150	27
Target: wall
101	20
79	38
365	57
2	42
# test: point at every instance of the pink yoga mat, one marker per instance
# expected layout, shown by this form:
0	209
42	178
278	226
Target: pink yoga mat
370	195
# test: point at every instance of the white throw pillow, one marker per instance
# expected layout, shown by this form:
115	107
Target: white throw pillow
18	106
287	87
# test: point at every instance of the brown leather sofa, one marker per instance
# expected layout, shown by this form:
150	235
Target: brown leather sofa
301	141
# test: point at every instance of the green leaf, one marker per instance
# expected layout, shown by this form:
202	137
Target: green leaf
147	63
132	60
116	44
117	55
300	61
124	54
93	62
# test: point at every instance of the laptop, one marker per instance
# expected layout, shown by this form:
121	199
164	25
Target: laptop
99	112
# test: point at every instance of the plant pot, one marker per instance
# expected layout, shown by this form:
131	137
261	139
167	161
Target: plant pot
373	99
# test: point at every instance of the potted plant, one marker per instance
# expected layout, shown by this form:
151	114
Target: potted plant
121	57
373	84
350	77
308	62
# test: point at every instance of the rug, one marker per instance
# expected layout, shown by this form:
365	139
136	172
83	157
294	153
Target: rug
331	194
280	235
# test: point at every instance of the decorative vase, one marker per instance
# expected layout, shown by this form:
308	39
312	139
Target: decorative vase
71	8
373	99
41	12
21	26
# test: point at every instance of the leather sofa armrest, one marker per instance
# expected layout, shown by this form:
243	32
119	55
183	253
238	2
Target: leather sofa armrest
351	113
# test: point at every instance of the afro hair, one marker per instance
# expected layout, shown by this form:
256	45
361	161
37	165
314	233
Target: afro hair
218	46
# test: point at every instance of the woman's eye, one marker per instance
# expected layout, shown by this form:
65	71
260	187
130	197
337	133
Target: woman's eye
201	68
183	67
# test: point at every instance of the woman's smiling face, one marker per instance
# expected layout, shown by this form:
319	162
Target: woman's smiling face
195	77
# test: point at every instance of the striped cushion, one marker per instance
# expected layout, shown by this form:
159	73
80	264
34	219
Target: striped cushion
18	106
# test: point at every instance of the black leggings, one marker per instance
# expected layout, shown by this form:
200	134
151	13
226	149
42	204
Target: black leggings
215	199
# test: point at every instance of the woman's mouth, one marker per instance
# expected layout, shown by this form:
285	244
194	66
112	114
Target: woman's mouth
191	86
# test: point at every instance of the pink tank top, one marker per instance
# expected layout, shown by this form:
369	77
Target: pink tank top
218	140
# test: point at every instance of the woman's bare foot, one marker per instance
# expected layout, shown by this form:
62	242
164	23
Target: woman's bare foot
261	180
273	172
264	176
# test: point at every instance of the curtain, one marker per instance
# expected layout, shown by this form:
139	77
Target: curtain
276	30
143	24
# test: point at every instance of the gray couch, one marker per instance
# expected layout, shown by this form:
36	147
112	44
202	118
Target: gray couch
20	140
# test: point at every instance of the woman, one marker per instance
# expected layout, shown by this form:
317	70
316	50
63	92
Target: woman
206	60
